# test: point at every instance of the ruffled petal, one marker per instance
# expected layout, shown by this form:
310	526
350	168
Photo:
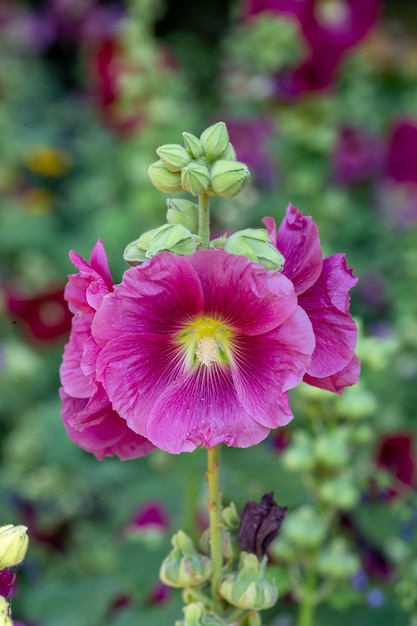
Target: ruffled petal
347	376
85	291
243	294
95	427
327	305
157	297
202	409
266	366
73	379
299	243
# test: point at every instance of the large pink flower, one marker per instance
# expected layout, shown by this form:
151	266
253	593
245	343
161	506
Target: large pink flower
202	349
322	287
87	413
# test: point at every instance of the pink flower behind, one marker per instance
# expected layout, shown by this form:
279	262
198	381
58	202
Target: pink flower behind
87	413
202	349
322	287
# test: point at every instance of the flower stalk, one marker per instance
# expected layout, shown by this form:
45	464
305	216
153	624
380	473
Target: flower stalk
306	613
214	509
204	220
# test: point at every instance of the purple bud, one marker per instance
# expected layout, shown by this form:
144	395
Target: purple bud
260	523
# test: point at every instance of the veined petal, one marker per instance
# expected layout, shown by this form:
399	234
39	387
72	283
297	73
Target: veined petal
95	427
74	380
243	294
298	241
266	366
327	305
85	290
347	376
156	297
202	409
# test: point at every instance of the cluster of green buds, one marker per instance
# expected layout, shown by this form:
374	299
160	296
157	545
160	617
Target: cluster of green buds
203	165
13	545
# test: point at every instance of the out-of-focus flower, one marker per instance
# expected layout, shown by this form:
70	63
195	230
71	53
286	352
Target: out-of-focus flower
396	454
357	155
150	522
250	137
37	200
46	161
322	287
87	413
7	582
402	152
202	349
397	203
44	317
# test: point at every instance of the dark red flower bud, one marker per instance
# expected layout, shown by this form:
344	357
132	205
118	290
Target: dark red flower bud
260	523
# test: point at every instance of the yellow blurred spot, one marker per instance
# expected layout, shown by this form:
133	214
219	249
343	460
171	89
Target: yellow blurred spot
37	201
48	161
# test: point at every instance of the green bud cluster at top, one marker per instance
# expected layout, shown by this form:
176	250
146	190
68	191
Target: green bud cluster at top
203	165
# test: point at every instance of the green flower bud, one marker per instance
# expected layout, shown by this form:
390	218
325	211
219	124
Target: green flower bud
184	566
214	140
229	544
133	255
13	545
163	179
251	619
195	614
195	178
361	434
4	606
229	154
193	145
184	212
299	456
248	588
304	528
230	517
172	238
254	244
283	550
228	177
173	156
5	620
357	403
337	561
331	449
339	492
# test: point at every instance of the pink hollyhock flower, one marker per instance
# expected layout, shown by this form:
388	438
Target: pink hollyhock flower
396	454
202	349
87	413
357	155
152	517
322	287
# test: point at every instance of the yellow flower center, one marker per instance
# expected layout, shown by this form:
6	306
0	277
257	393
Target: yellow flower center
206	341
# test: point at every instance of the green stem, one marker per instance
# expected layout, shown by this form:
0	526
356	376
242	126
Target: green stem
306	614
204	220
214	508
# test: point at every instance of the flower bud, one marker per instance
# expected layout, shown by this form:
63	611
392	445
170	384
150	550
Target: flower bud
172	238
195	178
251	619
195	614
214	140
254	244
260	523
248	588
229	154
299	456
193	145
173	156
13	545
305	528
228	177
163	179
184	212
337	561
4	606
230	517
339	492
331	449
184	566
135	251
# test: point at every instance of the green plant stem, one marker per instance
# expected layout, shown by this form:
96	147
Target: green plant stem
306	614
214	508
204	220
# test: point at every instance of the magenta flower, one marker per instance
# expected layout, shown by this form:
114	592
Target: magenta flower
88	416
357	155
322	287
402	152
202	349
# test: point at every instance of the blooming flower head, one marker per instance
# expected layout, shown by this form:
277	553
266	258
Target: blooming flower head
322	287
88	416
402	152
201	349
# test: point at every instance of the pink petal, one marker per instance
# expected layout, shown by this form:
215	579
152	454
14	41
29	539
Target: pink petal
327	305
94	426
265	366
85	290
73	379
347	376
298	241
241	293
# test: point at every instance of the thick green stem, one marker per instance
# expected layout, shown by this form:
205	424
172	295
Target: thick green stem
214	508
204	220
306	614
